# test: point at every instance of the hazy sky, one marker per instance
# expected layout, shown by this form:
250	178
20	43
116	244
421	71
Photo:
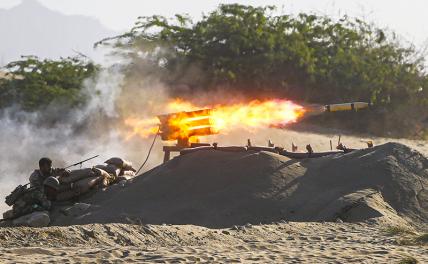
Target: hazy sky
408	18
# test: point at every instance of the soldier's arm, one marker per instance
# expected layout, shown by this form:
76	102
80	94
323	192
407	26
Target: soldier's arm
35	180
60	172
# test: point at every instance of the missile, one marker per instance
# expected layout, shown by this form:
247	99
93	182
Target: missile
355	106
315	109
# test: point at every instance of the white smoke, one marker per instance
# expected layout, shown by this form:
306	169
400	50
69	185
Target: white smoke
97	129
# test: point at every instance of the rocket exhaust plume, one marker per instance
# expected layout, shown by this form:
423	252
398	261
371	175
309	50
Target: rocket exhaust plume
190	120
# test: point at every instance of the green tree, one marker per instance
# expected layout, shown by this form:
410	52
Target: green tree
305	57
35	84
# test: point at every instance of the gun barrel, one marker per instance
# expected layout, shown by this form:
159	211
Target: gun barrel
80	162
355	106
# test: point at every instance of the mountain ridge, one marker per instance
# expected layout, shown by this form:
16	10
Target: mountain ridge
33	29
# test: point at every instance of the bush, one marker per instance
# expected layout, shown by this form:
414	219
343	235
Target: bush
35	84
306	57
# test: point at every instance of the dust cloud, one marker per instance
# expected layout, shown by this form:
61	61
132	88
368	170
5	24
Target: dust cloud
96	129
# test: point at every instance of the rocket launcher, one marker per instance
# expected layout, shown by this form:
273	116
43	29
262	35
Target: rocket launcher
184	125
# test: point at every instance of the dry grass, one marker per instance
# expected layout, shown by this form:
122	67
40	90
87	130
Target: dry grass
398	230
408	260
406	236
422	239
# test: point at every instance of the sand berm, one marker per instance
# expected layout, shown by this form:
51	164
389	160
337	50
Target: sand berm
252	207
218	189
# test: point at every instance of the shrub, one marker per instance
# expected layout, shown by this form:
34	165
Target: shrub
36	84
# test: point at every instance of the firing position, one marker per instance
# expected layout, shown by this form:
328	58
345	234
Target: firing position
45	170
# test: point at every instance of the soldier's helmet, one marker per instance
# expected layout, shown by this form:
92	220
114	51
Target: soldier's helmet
52	182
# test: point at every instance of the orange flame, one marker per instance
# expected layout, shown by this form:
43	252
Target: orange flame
219	118
142	127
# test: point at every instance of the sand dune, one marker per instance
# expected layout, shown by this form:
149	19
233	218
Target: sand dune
280	242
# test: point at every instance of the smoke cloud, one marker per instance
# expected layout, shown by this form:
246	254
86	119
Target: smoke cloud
97	129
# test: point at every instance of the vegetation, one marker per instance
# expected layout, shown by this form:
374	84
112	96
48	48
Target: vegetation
35	84
257	53
397	230
422	239
406	236
408	260
306	57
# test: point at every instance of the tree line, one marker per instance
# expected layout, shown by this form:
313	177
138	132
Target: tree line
260	53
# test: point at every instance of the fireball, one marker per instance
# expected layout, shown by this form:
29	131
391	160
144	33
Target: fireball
189	120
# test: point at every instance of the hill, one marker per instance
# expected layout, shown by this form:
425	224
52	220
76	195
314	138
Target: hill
32	29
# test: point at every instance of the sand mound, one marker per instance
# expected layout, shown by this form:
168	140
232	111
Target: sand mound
220	189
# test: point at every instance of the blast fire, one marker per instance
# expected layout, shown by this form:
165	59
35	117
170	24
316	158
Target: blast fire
190	120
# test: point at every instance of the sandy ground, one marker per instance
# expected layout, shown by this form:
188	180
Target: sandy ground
281	242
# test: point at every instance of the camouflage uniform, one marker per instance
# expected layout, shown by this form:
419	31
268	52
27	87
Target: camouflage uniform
31	201
37	177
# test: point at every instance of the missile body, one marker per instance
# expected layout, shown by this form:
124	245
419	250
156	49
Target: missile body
355	106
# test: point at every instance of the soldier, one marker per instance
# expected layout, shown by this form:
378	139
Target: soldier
34	199
45	170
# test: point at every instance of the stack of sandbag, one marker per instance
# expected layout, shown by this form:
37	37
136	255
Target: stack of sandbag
79	182
112	170
123	168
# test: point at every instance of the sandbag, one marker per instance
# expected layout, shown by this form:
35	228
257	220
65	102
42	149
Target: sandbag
109	168
77	175
108	179
130	168
66	195
35	219
81	187
128	173
85	185
8	214
124	178
63	187
120	163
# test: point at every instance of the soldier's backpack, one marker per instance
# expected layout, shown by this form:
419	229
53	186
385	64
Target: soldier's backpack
18	192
